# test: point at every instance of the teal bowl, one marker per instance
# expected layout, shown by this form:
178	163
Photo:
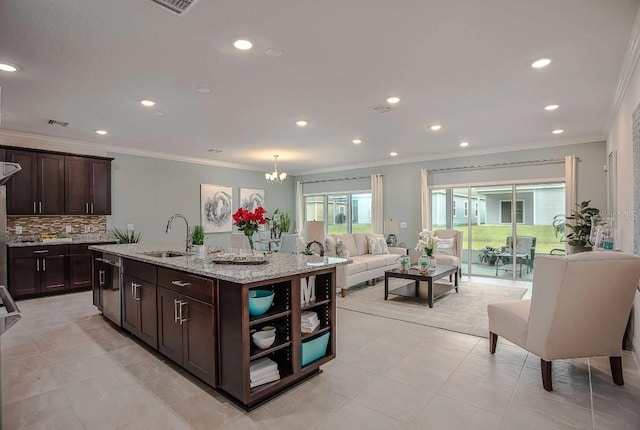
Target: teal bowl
260	301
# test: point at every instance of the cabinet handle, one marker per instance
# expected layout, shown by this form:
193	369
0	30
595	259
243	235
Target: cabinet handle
182	320
180	283
134	290
44	265
34	208
44	251
175	310
92	208
101	277
40	206
38	265
86	210
138	296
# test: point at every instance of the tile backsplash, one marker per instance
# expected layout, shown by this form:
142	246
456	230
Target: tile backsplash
56	224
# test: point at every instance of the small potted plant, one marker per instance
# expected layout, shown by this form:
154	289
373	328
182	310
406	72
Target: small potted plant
578	224
197	239
125	236
488	255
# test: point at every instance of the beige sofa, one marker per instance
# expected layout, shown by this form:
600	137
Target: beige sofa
363	266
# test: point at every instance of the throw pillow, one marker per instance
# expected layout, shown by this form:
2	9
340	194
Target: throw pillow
383	245
445	247
330	246
374	246
341	249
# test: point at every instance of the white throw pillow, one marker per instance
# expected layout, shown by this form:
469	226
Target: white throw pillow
374	246
445	247
341	249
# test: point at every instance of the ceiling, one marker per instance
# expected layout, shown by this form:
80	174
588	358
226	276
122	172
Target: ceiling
464	64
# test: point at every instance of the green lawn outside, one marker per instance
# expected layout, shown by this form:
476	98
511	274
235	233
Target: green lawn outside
342	228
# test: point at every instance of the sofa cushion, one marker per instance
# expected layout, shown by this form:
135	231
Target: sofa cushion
361	243
358	265
377	245
375	261
447	260
349	242
330	245
445	246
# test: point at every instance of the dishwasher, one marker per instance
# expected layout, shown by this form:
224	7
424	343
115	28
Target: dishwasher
108	285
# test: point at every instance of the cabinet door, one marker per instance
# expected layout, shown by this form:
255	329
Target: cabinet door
169	331
24	276
53	273
198	339
76	176
99	187
130	305
80	271
22	187
147	314
50	184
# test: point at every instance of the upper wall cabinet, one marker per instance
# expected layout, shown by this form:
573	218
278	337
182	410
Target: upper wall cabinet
38	189
58	184
88	186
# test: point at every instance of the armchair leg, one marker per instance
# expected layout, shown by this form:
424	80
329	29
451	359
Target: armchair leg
546	374
493	342
616	370
343	292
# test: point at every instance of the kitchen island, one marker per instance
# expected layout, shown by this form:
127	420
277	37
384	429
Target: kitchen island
196	313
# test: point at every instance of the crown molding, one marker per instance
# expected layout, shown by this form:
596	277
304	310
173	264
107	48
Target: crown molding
449	155
51	143
629	64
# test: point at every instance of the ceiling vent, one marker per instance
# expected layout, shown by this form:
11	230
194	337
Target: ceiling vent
60	123
384	108
176	6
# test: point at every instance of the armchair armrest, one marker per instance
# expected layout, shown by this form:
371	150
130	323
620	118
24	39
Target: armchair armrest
397	250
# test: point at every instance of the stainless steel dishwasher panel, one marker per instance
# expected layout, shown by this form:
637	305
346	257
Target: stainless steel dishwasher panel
111	288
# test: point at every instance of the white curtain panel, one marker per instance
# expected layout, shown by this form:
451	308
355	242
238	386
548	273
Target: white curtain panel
377	203
570	186
299	208
426	201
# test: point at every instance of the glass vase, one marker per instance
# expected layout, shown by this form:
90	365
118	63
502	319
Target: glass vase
424	262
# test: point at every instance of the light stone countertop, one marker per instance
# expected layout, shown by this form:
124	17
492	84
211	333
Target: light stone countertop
54	243
277	266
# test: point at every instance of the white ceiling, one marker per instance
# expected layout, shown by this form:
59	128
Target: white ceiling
463	63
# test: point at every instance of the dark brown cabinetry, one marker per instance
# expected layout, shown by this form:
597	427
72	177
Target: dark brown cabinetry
37	270
38	189
186	328
139	314
88	186
80	276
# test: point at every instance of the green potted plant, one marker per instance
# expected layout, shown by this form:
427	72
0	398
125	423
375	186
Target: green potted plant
197	239
488	255
284	221
578	224
125	236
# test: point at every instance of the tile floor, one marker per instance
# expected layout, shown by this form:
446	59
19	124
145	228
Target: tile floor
65	367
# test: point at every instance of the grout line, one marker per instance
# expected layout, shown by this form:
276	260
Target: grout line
513	393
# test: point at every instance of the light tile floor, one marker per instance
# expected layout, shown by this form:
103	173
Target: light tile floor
65	367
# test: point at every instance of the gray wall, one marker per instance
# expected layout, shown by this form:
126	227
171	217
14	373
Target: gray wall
147	191
402	181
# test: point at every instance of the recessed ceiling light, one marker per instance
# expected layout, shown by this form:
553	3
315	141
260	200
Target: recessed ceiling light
301	123
158	113
101	132
357	141
214	150
558	131
393	100
147	103
464	144
393	154
6	67
435	127
203	90
551	107
542	62
273	52
243	44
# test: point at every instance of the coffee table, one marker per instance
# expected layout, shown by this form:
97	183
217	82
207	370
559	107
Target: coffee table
415	275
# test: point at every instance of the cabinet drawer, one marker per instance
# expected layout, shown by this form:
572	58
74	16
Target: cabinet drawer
38	251
79	248
187	284
146	272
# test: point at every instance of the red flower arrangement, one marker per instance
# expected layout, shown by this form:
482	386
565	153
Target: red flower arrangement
249	221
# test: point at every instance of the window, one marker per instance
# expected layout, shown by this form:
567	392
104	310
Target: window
505	211
475	209
345	212
466	208
454	207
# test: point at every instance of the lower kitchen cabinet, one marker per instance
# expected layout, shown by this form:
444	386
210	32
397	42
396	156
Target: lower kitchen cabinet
139	314
80	276
37	270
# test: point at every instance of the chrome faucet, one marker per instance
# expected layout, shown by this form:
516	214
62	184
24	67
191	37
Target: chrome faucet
168	230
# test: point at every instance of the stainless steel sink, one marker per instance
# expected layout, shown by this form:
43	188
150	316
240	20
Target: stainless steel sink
164	254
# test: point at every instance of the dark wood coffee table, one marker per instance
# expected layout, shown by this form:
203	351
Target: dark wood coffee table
415	275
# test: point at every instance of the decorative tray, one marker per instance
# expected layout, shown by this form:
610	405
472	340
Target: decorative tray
238	259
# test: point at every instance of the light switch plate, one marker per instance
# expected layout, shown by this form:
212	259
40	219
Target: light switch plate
67	228
18	229
403	225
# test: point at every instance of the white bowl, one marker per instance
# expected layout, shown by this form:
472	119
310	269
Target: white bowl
263	339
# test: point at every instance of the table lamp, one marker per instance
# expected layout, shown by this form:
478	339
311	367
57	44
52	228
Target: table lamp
314	234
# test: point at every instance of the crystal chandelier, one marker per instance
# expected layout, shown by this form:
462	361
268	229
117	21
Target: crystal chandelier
275	177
